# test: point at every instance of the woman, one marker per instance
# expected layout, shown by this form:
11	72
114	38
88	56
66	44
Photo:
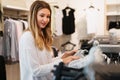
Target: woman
35	53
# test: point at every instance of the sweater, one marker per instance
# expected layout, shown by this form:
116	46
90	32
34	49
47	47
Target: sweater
35	64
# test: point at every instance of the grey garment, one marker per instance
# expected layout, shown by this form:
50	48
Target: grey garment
14	42
7	39
10	46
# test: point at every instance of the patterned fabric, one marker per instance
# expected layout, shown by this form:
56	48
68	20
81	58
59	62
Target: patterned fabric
110	48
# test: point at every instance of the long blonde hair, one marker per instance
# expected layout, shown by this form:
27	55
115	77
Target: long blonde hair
42	38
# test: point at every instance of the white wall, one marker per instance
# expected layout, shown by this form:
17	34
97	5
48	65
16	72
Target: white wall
80	19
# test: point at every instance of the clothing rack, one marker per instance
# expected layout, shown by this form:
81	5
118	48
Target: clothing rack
112	52
14	17
15	13
15	21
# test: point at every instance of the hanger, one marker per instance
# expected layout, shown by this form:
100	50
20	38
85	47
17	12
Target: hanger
67	7
91	6
56	6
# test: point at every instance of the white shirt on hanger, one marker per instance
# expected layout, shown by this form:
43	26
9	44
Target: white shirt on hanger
92	18
58	22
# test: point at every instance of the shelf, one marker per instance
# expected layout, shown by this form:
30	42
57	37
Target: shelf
15	8
112	2
113	14
113	10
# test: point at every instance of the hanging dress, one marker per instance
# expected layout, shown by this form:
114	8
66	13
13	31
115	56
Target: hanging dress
68	24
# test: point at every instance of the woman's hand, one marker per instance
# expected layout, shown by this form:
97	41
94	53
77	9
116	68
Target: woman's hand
69	59
69	53
68	56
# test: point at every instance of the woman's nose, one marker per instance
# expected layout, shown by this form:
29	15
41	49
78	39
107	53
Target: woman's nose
45	19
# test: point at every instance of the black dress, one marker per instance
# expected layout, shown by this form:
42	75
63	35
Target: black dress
68	24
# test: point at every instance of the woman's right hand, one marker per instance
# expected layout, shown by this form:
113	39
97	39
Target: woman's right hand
69	59
69	53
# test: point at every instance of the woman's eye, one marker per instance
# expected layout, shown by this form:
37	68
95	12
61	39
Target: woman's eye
41	15
48	16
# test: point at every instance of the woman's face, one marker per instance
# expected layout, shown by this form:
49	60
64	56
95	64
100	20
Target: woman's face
43	17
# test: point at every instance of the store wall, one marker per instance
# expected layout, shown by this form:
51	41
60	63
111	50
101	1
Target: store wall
80	7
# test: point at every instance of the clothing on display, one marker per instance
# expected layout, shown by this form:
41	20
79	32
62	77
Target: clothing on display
63	72
111	52
68	21
58	21
13	30
75	25
92	18
114	24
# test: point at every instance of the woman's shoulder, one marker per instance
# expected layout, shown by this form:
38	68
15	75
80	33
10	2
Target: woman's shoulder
27	35
26	40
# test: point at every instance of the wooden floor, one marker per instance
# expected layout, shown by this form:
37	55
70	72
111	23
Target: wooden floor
13	71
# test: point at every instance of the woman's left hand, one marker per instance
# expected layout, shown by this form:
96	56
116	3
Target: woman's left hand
69	53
